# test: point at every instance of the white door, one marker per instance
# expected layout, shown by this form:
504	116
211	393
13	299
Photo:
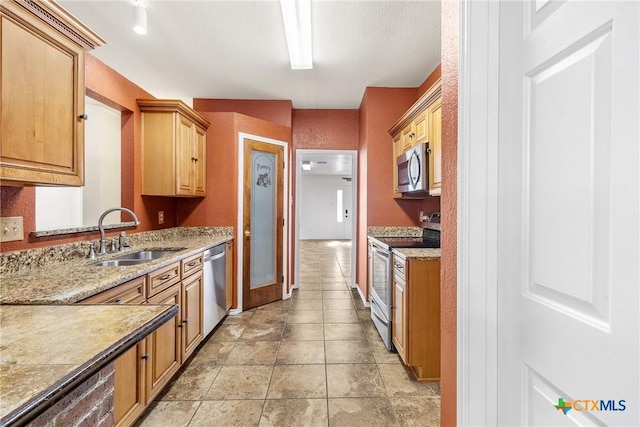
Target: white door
568	209
347	210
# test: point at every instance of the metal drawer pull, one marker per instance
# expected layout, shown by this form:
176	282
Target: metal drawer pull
192	263
145	357
118	301
165	277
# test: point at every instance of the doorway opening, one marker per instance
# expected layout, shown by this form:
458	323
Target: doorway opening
325	203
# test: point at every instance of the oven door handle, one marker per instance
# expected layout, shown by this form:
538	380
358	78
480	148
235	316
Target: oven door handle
386	322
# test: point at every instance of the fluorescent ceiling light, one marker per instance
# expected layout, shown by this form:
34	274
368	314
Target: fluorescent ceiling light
139	16
296	15
306	165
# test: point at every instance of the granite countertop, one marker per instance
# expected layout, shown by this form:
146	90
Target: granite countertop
373	232
418	253
46	351
74	280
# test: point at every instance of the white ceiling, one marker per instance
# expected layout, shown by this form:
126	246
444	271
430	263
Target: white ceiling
237	49
330	163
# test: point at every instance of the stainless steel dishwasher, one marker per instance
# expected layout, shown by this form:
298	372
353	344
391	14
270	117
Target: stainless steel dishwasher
214	292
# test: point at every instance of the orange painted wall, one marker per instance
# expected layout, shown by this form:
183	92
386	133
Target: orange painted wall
111	88
326	129
448	293
278	111
430	80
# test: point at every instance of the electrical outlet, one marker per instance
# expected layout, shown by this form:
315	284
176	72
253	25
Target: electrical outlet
11	229
160	217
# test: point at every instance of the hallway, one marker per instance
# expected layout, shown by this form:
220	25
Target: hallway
313	360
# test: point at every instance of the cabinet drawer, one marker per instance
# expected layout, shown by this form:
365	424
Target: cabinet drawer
131	292
399	267
191	265
163	278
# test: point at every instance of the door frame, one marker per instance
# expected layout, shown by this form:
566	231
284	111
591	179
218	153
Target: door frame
239	226
477	200
353	216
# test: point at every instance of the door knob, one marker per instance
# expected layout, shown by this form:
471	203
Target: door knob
247	233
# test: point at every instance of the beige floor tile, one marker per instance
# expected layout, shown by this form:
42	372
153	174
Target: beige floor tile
380	352
370	412
282	305
306	304
348	352
265	331
340	316
417	411
310	286
303	332
228	332
243	317
168	414
192	383
354	380
212	353
364	314
343	332
305	316
298	381
338	304
295	412
302	294
359	303
266	316
236	413
240	382
300	352
336	294
334	285
400	381
253	353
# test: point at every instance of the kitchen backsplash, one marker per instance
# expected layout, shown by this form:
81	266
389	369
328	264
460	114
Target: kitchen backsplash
14	262
394	231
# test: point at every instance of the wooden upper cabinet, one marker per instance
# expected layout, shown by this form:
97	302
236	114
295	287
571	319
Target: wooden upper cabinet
435	147
43	89
174	144
420	124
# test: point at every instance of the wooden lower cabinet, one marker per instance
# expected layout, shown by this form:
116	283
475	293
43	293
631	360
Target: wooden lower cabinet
129	400
192	314
163	345
416	314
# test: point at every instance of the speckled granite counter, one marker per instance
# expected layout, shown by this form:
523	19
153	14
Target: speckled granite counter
393	231
72	280
418	253
46	351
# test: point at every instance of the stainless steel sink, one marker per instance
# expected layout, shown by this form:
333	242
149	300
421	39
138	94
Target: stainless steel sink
139	257
120	262
147	255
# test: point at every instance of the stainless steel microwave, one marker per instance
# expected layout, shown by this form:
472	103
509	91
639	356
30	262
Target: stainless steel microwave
413	170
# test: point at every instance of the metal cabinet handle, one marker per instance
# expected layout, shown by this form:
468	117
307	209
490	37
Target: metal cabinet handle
145	357
165	277
83	116
118	301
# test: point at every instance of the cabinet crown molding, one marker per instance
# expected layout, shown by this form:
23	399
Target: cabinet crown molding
172	106
418	107
51	13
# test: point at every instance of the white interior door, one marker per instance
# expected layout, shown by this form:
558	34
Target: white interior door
568	204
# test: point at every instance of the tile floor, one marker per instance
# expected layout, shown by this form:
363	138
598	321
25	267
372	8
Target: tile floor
313	360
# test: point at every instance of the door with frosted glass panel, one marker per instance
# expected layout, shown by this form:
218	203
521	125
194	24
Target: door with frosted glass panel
263	223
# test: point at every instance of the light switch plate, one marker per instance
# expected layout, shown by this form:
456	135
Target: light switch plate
11	229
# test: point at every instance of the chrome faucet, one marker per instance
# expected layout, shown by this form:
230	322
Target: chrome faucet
103	238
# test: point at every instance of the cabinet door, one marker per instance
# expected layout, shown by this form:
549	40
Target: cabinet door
184	156
129	379
398	319
163	345
229	274
43	97
435	147
408	134
192	316
200	164
398	148
422	128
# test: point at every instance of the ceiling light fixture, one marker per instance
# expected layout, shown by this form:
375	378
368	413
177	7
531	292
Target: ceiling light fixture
139	16
296	15
306	165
